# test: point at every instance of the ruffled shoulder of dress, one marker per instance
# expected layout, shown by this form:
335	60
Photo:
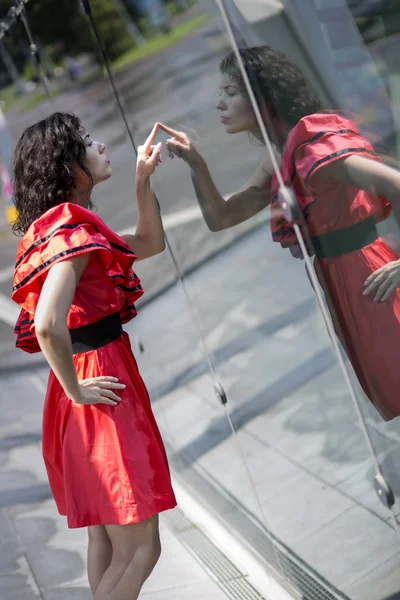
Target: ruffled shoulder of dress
65	231
312	127
63	218
309	132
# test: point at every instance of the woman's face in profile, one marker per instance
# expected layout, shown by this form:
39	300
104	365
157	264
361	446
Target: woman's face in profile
236	112
96	162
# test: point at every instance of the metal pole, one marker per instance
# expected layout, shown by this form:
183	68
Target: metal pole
19	12
10	65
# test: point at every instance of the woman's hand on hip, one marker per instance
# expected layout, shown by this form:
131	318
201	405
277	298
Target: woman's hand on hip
149	156
384	282
99	390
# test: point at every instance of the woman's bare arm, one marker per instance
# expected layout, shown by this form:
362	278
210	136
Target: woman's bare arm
220	213
148	239
369	175
384	181
54	338
242	205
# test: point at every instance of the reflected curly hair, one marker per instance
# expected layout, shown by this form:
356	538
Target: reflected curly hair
45	159
277	82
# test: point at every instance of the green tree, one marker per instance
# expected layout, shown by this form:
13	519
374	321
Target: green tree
62	24
112	29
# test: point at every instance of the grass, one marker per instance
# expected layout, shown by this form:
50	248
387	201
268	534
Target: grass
159	42
33	101
8	96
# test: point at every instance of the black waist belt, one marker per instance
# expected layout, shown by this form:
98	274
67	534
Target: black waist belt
96	335
343	241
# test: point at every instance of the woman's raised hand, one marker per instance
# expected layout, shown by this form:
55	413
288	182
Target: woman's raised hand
99	390
180	145
149	156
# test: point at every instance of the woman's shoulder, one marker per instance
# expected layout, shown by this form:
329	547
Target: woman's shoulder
63	215
313	127
63	218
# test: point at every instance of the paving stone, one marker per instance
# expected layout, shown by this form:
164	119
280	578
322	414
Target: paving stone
19	585
357	542
382	582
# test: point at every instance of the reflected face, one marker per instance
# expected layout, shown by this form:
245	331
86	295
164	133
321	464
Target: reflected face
96	160
237	114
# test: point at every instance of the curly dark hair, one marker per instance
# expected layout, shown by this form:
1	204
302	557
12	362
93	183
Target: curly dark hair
45	159
277	82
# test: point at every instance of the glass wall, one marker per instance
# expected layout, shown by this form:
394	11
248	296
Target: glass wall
290	462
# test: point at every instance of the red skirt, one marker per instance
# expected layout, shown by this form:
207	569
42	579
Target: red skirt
106	464
369	331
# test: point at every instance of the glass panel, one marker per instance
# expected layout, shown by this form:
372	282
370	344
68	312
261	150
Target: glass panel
338	465
303	442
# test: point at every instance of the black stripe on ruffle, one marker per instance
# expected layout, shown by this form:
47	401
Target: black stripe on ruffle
54	258
121	248
311	140
24	322
334	155
26	334
128	289
42	240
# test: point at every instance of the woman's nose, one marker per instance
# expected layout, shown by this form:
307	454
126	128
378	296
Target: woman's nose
220	105
102	147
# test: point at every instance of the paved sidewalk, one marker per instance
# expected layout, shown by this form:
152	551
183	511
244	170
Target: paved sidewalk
39	556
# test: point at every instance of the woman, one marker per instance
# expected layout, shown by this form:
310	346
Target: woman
343	190
104	456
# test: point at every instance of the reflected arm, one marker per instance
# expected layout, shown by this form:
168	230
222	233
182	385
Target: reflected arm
369	175
245	203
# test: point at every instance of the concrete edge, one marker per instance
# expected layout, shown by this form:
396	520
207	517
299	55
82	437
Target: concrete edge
234	549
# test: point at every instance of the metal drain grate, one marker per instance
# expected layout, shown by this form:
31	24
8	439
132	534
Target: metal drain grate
288	568
310	584
228	577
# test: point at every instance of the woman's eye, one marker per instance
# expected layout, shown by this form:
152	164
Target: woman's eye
89	143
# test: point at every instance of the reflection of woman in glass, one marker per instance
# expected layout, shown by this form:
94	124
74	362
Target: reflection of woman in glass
74	281
342	188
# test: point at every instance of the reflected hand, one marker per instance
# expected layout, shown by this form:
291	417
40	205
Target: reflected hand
384	281
149	156
180	145
98	390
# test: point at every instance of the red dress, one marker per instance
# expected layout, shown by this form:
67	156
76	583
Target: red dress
106	464
369	331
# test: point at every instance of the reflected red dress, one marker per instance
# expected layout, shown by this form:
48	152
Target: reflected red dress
106	464
369	331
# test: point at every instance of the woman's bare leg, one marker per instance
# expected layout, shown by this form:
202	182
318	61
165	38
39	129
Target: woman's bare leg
136	549
99	555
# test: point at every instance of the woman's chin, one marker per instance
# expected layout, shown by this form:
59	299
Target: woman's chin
231	129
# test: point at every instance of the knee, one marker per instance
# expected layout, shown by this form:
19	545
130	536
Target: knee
147	553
